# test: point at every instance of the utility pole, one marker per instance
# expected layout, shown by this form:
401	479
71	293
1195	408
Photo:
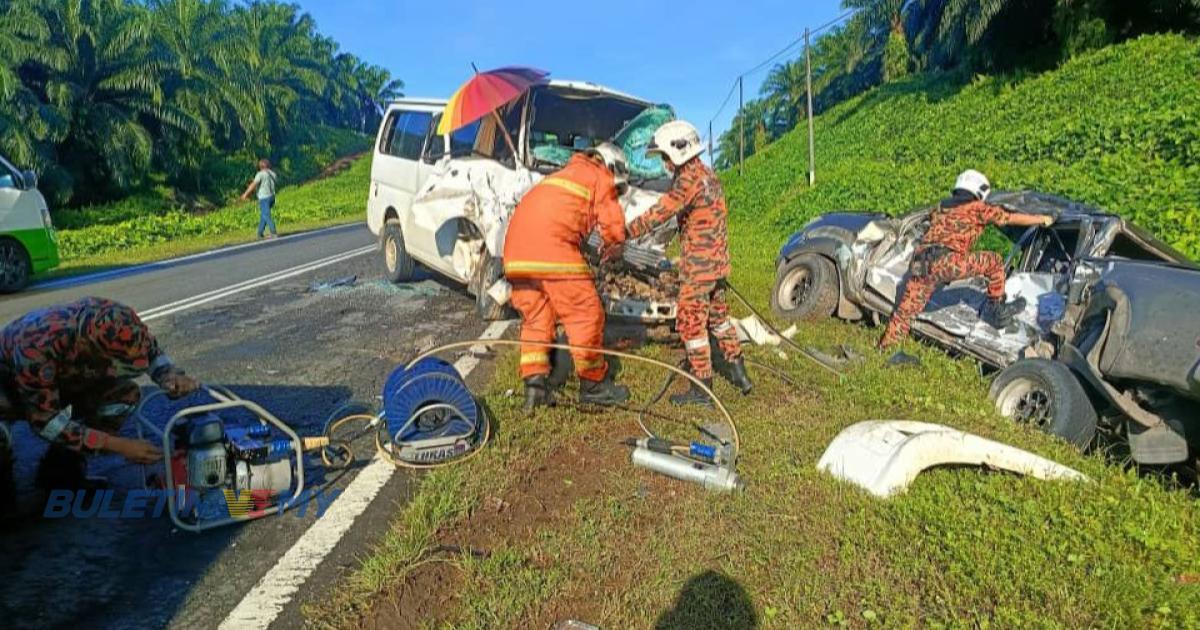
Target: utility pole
812	169
741	129
710	154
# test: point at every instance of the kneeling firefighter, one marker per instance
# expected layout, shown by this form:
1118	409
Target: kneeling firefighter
696	198
551	281
944	255
68	371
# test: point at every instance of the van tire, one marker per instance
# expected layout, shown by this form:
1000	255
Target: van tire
15	266
398	265
806	288
489	271
1046	395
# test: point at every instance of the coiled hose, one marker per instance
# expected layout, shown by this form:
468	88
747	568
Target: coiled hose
374	421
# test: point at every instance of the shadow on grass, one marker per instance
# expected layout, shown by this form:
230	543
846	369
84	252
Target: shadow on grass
710	600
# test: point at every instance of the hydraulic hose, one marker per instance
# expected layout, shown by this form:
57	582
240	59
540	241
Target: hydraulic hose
791	344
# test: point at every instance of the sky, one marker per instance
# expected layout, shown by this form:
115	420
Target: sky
686	52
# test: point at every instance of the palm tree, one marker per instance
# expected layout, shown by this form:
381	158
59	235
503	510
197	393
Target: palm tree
784	90
26	124
279	52
882	22
108	88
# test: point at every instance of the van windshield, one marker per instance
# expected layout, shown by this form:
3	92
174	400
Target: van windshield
565	121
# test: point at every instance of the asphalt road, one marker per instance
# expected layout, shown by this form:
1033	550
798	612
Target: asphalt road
300	353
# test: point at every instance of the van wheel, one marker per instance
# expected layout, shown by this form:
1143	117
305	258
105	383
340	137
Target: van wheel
806	287
15	266
489	271
398	266
1046	395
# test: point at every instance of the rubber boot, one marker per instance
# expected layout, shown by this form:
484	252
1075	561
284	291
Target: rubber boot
694	395
735	373
604	392
1002	313
538	393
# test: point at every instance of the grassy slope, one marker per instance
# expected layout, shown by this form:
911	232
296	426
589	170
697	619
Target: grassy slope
962	548
331	201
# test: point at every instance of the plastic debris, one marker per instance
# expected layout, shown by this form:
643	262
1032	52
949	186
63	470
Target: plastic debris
884	456
903	359
752	329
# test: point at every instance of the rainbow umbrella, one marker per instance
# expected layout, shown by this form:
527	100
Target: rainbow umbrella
485	92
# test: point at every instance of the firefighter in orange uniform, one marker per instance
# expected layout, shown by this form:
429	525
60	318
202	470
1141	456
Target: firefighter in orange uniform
551	281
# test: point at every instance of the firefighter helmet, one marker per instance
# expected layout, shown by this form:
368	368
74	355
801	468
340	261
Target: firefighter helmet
974	182
678	141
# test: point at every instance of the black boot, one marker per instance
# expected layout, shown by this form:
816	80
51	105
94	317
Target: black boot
694	395
604	392
735	373
538	393
1002	313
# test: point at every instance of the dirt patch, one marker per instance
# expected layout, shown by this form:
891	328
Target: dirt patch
338	166
542	498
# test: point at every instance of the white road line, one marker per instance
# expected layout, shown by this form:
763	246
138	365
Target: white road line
266	600
127	271
204	298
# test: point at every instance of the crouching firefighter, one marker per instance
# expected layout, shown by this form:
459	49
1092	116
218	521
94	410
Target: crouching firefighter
944	255
696	199
68	371
552	282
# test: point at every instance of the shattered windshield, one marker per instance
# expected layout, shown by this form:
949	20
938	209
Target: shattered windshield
566	121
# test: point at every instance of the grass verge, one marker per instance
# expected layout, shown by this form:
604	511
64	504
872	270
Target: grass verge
335	200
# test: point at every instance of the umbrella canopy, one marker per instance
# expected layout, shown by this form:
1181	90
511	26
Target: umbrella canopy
485	92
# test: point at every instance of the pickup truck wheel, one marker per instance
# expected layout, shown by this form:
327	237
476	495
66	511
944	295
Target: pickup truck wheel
1046	395
806	287
490	270
398	266
15	266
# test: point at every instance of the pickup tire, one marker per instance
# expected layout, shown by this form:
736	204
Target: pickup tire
806	287
490	270
15	266
1046	395
398	265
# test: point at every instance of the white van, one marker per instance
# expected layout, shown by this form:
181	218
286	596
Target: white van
444	201
28	243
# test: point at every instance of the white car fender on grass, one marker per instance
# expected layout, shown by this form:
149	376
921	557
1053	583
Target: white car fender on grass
884	456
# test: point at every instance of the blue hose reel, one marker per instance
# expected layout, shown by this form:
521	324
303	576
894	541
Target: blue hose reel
430	415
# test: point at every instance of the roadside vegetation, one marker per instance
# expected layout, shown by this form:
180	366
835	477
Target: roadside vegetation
173	101
553	522
885	41
138	231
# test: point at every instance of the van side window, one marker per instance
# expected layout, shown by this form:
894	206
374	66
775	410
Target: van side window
462	141
9	178
408	138
435	145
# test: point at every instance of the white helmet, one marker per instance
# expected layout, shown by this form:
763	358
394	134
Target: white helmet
678	141
974	182
614	160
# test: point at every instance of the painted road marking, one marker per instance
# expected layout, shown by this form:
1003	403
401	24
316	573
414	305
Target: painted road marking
253	283
266	600
171	262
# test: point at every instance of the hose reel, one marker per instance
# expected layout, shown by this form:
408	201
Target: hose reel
430	416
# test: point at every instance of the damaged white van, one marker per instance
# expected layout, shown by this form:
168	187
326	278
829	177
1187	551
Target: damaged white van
444	201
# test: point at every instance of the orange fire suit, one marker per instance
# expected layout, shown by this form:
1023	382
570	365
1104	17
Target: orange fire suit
551	281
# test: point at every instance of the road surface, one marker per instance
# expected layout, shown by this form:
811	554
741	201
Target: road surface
248	318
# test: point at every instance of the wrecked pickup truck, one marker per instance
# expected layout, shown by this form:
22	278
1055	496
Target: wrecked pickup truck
444	201
1109	337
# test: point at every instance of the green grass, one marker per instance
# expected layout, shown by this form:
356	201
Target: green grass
963	548
143	237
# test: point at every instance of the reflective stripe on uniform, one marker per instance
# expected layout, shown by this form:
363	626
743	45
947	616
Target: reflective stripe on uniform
531	267
695	344
56	424
591	364
535	358
577	189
